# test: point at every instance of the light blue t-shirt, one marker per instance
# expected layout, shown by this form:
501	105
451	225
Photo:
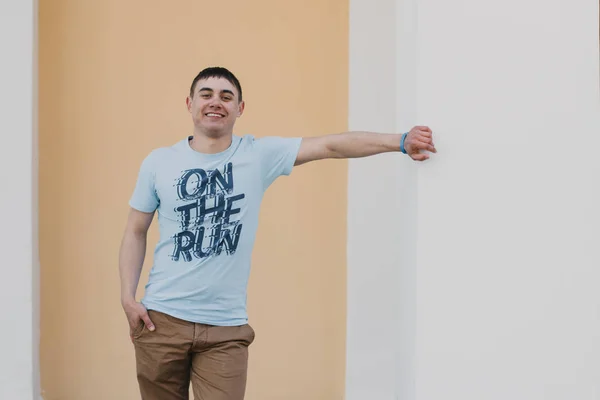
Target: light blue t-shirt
208	208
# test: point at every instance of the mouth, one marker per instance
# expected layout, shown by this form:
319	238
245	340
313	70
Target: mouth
214	115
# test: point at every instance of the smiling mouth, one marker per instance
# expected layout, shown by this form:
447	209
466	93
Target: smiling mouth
214	115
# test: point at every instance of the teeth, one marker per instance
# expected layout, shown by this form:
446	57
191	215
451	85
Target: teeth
213	115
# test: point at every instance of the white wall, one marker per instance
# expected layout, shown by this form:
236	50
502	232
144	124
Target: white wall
503	284
509	223
382	210
19	285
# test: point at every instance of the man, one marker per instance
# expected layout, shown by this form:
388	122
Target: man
191	324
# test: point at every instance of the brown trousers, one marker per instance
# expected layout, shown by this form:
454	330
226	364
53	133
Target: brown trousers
213	358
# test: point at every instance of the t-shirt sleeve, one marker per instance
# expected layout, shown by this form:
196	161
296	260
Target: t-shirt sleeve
277	156
144	197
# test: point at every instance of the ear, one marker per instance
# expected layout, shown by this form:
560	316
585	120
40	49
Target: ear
241	107
188	103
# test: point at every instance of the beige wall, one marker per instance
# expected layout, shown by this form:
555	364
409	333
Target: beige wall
113	81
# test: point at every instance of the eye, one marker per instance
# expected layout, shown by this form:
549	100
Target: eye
227	98
205	95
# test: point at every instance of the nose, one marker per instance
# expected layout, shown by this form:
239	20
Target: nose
215	102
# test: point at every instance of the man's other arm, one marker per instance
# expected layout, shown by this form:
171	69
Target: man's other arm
131	261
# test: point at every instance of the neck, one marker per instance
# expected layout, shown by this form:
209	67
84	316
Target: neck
210	145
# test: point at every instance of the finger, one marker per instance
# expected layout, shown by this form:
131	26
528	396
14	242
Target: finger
148	322
425	146
424	134
424	139
420	157
419	138
424	128
431	148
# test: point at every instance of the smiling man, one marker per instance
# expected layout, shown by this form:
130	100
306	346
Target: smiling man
191	325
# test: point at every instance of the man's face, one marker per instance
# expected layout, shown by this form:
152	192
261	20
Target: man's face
215	106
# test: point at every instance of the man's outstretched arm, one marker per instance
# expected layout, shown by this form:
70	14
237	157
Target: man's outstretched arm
364	144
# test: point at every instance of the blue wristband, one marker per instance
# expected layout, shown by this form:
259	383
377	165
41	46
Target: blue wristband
402	149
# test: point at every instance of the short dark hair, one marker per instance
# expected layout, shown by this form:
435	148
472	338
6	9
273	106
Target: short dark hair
217	72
